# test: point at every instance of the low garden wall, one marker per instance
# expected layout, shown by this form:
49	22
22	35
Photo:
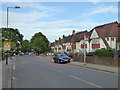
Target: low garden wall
110	61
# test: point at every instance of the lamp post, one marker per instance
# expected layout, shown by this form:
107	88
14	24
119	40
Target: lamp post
6	55
8	12
84	49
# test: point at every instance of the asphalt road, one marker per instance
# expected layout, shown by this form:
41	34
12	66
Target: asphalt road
41	72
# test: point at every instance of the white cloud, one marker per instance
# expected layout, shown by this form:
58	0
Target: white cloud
17	19
102	9
27	22
56	32
55	29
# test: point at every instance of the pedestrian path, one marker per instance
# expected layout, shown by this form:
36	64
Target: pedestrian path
96	67
6	70
0	75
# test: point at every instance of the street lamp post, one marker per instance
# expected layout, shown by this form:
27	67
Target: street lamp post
7	29
84	50
8	12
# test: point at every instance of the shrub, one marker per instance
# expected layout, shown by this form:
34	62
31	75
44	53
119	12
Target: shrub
77	53
57	53
90	54
105	52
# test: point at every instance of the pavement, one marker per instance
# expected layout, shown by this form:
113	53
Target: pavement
6	74
96	67
110	69
0	75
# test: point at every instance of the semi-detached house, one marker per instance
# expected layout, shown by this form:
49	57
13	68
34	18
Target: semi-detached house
103	36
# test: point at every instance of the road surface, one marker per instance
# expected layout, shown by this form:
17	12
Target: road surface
41	72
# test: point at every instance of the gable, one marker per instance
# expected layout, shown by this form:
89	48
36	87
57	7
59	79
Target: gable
94	34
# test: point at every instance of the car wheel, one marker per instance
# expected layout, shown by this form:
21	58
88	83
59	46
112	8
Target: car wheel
59	61
55	61
69	61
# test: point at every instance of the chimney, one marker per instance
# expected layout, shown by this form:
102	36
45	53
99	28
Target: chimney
63	36
73	32
59	38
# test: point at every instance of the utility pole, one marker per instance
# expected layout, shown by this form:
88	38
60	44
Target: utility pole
84	50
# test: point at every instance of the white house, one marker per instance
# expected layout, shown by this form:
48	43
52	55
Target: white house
104	36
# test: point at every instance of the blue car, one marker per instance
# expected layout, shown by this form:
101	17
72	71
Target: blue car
117	52
61	58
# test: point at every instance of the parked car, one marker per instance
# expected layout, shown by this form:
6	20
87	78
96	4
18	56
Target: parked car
117	52
69	54
61	58
80	54
21	53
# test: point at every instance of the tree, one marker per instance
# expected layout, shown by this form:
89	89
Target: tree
13	35
40	43
25	46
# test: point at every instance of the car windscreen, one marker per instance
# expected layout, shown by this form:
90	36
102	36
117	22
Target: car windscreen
62	55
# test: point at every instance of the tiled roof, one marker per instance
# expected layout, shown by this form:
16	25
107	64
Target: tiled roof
80	35
67	38
108	30
52	44
56	42
77	37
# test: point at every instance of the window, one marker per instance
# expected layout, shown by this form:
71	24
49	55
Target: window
73	43
112	39
107	39
95	41
82	41
63	44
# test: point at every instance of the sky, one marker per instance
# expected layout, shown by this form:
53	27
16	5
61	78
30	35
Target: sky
55	19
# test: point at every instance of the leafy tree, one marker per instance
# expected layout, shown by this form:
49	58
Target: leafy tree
13	35
25	46
40	43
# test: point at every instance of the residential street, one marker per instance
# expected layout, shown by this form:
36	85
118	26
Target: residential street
41	72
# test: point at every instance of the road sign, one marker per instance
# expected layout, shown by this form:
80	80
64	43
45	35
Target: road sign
7	46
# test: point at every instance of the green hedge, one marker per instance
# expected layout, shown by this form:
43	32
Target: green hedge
105	52
57	53
76	53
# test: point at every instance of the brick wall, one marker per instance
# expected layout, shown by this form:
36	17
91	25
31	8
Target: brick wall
98	60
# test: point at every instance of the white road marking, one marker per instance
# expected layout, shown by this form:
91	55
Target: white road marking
86	81
55	69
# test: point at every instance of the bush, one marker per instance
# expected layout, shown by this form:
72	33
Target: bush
90	54
105	52
57	53
77	53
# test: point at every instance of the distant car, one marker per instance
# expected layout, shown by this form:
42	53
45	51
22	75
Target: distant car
21	54
80	54
61	58
50	53
117	52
